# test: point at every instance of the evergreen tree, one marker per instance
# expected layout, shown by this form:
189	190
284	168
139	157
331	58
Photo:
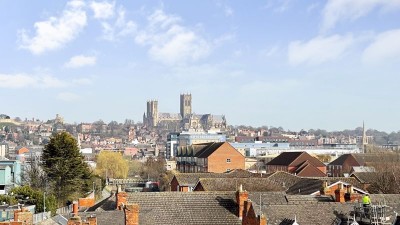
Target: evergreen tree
65	168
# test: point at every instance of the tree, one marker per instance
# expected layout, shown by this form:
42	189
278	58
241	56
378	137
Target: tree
33	175
153	168
65	168
112	164
29	195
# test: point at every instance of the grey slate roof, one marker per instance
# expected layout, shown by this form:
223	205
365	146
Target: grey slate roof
284	179
176	208
190	179
232	184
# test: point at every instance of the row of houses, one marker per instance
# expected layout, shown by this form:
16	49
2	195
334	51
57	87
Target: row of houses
220	157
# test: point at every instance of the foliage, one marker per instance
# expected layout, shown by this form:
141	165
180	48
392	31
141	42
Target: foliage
324	158
65	168
10	200
112	164
165	180
153	168
135	168
31	196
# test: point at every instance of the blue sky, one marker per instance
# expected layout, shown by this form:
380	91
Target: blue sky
290	63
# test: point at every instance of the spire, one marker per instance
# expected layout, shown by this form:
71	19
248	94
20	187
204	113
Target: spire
364	138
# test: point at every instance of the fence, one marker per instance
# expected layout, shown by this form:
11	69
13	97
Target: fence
64	210
37	218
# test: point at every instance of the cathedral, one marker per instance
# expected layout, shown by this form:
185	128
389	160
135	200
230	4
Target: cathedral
185	120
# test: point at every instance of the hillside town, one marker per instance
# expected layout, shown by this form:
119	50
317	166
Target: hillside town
211	112
245	175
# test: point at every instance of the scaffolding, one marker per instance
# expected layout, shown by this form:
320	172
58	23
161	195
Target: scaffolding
372	214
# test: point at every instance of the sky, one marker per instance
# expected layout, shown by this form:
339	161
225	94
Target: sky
290	63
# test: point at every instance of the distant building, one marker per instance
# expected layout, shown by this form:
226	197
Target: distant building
299	163
10	175
343	164
3	150
172	145
185	120
185	139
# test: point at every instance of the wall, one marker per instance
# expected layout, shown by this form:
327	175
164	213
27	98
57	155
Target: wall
217	161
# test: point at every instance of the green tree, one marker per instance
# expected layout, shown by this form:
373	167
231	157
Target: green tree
31	196
64	166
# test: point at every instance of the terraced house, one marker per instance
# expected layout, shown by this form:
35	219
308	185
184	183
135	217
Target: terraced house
216	157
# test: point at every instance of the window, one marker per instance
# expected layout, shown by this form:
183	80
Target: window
228	170
228	160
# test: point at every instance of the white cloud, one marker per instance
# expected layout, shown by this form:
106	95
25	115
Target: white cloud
22	80
68	96
386	47
103	10
170	42
319	49
55	32
120	28
278	6
25	81
228	11
80	61
343	10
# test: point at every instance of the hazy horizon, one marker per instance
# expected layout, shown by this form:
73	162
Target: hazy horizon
296	64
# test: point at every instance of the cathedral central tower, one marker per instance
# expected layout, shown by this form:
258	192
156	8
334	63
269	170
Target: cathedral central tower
186	105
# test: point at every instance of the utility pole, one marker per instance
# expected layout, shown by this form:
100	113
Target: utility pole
44	204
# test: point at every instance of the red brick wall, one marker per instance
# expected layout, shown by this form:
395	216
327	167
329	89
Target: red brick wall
132	214
121	199
86	202
323	169
184	188
217	161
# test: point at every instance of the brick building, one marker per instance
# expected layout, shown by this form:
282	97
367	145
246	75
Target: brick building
216	157
343	164
299	163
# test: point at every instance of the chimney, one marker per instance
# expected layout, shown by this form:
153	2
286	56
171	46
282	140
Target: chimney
340	193
92	220
75	219
131	214
121	198
263	219
75	208
241	197
352	196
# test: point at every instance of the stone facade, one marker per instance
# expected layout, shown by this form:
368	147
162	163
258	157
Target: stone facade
185	120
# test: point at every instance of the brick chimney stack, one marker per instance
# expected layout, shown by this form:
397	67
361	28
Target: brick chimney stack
263	220
241	197
131	214
340	193
121	198
75	219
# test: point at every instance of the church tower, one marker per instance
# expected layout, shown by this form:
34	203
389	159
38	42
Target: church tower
186	105
152	112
